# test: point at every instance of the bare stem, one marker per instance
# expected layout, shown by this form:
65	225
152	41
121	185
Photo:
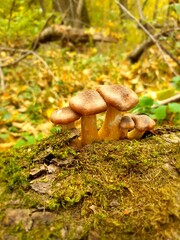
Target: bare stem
26	53
140	10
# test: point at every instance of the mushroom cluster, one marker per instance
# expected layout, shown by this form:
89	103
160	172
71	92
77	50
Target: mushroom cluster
115	100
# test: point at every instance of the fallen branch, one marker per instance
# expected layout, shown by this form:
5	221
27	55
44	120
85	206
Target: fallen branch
45	64
73	35
137	52
150	35
175	98
25	54
17	60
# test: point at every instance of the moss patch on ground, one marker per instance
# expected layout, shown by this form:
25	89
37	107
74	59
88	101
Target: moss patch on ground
107	190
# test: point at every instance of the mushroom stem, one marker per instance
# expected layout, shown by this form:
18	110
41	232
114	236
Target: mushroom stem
89	131
143	123
123	133
110	127
68	126
135	134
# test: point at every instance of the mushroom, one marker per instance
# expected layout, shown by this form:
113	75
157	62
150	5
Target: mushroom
65	117
142	124
118	98
88	103
125	124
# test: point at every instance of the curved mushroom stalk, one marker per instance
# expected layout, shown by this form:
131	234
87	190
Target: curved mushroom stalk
143	123
119	99
135	134
110	127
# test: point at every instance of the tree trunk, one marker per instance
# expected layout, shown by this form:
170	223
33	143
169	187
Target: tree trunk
123	15
74	12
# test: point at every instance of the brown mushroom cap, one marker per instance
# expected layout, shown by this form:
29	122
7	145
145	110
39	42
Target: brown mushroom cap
143	122
88	102
64	115
119	97
126	123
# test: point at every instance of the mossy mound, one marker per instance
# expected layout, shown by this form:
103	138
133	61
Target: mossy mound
107	190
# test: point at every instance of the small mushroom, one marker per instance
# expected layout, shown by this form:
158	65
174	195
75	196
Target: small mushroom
88	103
118	98
65	117
125	124
142	123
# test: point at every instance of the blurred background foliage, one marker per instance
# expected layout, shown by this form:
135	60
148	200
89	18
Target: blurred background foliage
45	79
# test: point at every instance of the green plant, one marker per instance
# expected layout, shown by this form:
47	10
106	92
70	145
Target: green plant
175	7
176	82
27	139
144	106
161	113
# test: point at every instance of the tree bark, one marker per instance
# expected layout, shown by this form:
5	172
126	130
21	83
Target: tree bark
139	50
74	12
68	34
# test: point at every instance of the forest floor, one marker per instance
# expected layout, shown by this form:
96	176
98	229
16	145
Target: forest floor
51	189
33	89
127	189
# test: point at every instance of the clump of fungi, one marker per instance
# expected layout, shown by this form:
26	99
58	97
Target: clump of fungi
115	100
119	99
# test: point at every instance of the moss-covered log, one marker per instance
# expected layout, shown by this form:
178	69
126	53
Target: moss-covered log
107	190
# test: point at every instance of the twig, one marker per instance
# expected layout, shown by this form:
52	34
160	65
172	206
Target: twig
35	43
2	80
45	64
17	60
171	56
144	4
8	49
26	53
151	27
175	98
140	10
149	34
139	50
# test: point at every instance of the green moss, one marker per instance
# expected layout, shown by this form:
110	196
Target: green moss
104	190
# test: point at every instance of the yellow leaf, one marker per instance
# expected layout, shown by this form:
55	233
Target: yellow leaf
5	146
49	111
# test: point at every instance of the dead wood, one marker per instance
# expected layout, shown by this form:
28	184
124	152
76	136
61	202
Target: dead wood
135	55
175	98
73	35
